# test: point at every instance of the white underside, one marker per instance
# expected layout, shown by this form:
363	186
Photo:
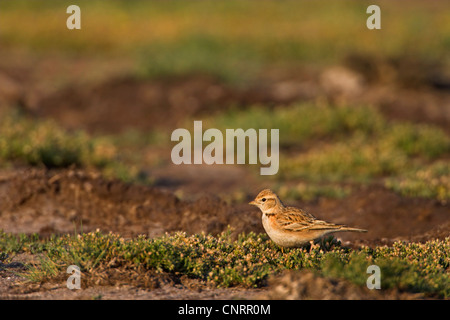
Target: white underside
280	238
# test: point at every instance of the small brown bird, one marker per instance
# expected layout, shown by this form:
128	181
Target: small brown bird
292	227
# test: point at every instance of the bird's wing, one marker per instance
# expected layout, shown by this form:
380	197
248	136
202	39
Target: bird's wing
294	219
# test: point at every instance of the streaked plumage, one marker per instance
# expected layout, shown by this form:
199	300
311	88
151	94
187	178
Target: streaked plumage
290	226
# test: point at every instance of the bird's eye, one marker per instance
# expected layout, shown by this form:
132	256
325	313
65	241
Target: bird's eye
263	199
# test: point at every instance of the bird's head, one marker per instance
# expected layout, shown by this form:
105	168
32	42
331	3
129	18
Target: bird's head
267	201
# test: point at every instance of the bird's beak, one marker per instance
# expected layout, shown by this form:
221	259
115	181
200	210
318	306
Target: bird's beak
253	203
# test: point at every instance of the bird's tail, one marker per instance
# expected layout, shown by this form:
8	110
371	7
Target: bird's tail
352	229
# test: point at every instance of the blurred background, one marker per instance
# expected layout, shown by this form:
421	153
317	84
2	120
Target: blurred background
364	115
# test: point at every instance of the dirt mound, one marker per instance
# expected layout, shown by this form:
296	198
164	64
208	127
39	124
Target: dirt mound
407	71
387	215
65	201
400	88
61	201
125	103
303	285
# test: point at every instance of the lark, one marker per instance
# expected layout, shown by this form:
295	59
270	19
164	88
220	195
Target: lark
291	227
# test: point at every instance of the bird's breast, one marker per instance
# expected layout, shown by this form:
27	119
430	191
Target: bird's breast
270	225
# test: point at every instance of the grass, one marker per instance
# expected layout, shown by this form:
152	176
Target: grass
395	150
303	122
411	267
421	140
246	261
324	146
430	182
227	39
38	142
43	142
309	192
200	54
356	160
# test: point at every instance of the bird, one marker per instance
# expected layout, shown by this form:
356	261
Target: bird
291	227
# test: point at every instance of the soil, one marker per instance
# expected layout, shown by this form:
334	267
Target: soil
190	198
78	98
61	201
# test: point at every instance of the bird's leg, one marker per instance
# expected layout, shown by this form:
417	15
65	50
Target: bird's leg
311	243
313	246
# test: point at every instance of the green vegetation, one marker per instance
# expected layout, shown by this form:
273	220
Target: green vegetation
412	267
308	192
44	142
416	140
350	145
355	160
226	39
431	182
396	150
303	123
12	243
247	261
200	55
38	142
308	123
